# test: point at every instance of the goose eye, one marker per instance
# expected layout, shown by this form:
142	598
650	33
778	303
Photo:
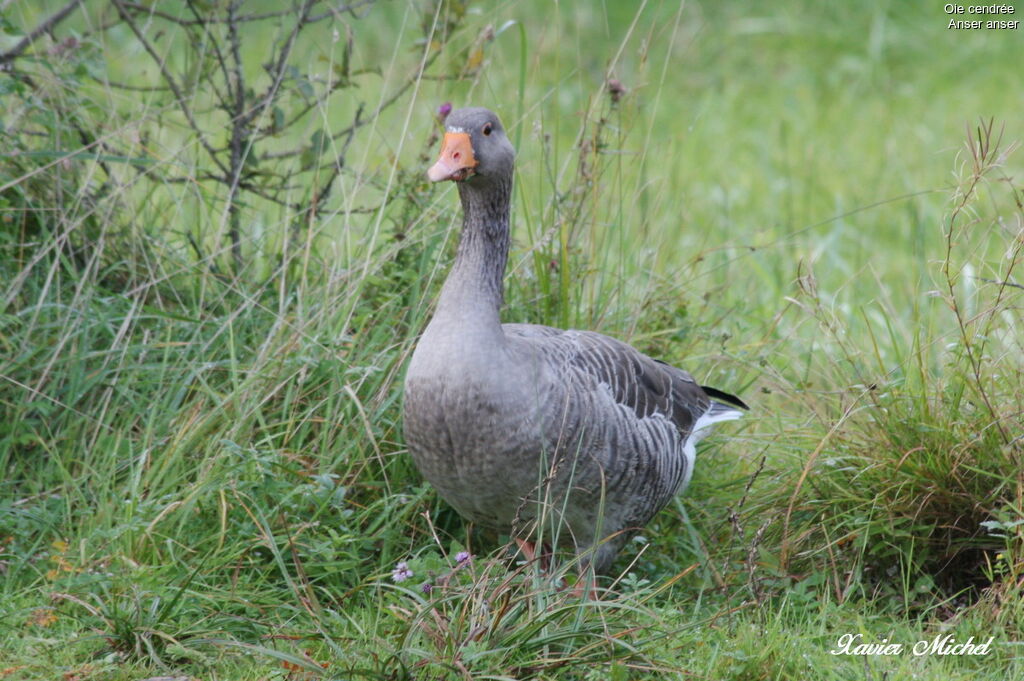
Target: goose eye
487	129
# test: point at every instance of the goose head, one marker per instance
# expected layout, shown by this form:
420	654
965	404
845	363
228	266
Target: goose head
475	150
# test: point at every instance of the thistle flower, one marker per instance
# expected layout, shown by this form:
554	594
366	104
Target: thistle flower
443	111
401	572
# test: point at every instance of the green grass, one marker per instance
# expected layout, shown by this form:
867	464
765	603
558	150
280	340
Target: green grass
203	468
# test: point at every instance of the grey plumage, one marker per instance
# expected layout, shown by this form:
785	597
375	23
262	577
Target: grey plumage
518	423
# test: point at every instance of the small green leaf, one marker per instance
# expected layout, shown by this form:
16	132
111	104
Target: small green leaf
10	29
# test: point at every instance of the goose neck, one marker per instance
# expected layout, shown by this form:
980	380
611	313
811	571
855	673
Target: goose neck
474	287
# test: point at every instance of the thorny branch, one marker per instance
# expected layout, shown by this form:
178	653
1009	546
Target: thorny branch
179	96
217	41
44	27
239	131
248	18
357	122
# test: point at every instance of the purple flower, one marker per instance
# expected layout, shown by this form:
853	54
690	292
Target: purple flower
426	587
443	111
462	556
401	572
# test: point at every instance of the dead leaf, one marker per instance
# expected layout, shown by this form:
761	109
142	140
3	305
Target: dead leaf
42	617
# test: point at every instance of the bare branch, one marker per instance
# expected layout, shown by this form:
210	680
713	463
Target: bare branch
264	100
324	192
223	97
132	88
1000	283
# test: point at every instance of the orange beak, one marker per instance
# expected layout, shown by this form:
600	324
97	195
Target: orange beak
457	161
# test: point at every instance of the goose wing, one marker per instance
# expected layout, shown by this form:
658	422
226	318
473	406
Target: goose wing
647	386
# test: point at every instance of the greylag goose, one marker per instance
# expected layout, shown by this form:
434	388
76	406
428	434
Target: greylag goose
523	427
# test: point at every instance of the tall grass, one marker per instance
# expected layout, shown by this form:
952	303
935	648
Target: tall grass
203	465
